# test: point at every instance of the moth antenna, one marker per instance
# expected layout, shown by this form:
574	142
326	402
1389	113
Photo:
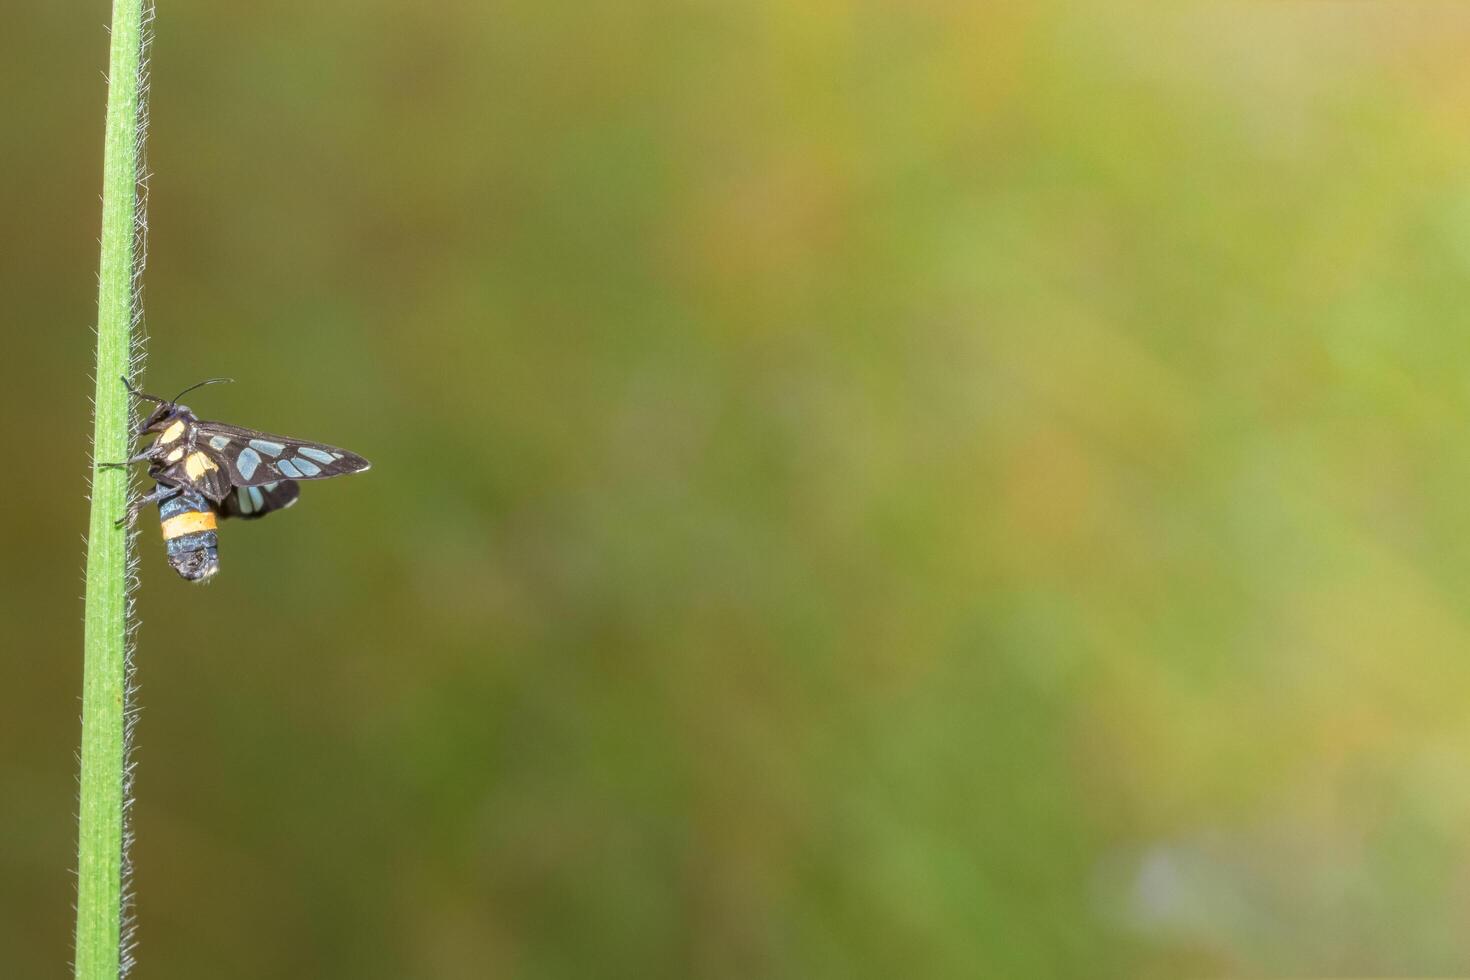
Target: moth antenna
211	381
140	394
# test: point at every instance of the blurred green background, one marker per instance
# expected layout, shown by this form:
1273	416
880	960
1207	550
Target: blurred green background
861	489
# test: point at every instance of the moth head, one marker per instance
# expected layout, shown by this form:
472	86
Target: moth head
163	416
167	411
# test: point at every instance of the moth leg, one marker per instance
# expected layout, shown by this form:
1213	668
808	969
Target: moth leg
142	457
160	493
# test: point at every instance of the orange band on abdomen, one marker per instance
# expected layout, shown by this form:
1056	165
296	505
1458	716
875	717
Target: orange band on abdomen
188	523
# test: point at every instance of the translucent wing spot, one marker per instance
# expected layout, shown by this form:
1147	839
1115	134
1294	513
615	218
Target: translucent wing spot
256	497
246	462
306	467
286	467
220	442
268	447
320	455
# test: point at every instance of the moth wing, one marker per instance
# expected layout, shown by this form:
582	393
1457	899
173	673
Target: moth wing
258	501
253	458
197	471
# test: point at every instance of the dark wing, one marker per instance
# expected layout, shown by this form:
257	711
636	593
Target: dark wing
251	459
253	502
194	470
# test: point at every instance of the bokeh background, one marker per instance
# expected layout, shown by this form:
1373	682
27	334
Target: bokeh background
861	488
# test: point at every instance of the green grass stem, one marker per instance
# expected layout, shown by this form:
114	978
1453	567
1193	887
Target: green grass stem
102	842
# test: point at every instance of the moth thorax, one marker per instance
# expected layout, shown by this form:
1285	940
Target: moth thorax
172	433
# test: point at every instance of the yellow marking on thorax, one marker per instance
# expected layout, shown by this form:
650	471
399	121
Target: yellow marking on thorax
197	465
187	523
172	432
175	456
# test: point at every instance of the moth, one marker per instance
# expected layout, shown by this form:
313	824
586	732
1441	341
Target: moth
207	470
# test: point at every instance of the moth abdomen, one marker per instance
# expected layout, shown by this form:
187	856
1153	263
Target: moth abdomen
189	535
